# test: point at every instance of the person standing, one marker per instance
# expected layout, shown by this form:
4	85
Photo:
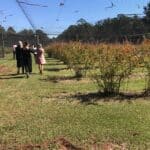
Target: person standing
27	59
19	57
40	58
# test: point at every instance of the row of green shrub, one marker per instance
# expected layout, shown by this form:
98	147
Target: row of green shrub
107	64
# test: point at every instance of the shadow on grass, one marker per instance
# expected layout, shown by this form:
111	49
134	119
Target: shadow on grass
56	79
91	98
54	64
4	75
52	61
11	76
55	69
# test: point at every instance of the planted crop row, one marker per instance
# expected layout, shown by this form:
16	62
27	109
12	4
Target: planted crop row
108	64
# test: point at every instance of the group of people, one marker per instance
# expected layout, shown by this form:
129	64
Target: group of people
24	58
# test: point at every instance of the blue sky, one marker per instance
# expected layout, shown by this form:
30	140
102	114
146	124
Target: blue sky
73	10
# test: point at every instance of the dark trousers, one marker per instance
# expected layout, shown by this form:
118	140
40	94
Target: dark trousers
26	67
30	66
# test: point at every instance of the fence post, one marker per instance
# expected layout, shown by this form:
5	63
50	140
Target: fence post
37	39
3	45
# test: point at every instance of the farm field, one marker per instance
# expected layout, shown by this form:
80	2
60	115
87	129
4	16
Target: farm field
42	111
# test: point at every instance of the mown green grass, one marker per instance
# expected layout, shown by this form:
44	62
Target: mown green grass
42	108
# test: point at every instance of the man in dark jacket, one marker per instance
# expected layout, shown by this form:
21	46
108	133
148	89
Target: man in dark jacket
27	58
19	57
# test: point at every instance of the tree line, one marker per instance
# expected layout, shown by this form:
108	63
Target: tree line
10	36
118	29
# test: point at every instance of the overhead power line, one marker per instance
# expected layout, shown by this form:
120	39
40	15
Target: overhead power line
31	4
61	5
26	15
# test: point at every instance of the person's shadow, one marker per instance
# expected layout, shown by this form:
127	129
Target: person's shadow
11	76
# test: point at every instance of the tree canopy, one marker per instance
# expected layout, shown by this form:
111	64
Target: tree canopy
11	37
110	30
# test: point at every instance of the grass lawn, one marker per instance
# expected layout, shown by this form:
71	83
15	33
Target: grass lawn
43	109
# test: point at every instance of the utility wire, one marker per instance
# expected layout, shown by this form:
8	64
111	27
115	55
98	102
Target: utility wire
31	4
61	5
26	15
